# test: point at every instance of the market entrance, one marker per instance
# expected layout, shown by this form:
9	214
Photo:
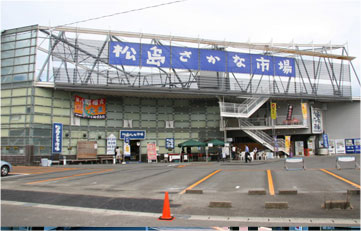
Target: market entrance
134	150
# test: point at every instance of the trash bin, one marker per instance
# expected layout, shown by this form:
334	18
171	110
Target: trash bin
44	162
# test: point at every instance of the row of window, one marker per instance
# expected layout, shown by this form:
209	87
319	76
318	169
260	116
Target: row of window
18	36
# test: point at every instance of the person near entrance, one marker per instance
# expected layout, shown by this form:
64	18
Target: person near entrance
247	154
118	154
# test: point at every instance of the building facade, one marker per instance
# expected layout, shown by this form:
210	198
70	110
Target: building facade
47	74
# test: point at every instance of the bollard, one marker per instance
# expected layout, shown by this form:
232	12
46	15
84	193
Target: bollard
114	161
64	160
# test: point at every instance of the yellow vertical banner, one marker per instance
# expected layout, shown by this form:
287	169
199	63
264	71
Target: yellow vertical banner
287	144
273	111
304	110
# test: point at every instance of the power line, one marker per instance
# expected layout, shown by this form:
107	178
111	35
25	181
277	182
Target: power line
124	12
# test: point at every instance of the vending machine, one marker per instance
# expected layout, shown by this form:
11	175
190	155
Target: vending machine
299	148
311	145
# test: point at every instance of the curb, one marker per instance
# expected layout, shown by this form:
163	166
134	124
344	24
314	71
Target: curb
194	191
287	192
257	192
220	204
276	205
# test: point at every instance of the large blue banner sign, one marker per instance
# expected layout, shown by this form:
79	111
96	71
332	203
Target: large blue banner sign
148	55
155	56
57	139
212	60
185	58
124	53
239	62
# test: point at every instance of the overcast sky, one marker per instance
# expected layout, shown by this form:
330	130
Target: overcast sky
301	21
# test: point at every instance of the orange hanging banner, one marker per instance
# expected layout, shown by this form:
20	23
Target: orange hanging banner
89	108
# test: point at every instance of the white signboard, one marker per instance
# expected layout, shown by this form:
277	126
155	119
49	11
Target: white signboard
317	123
346	158
340	146
111	144
331	146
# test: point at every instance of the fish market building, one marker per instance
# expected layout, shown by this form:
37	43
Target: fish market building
78	92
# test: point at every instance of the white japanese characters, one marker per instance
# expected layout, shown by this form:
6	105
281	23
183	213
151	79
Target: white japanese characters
285	66
129	52
263	64
213	59
165	56
239	61
155	56
185	56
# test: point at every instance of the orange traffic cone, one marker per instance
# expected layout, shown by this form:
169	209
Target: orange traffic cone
166	210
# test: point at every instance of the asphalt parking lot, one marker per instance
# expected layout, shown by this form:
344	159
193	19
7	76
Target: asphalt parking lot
133	194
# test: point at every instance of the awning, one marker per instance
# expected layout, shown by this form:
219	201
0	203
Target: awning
216	142
192	143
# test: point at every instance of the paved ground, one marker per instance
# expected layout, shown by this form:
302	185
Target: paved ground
133	194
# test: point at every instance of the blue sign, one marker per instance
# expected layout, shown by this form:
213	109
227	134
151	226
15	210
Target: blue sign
185	58
325	140
57	138
238	62
212	60
155	56
356	143
169	143
284	66
124	53
148	55
133	135
349	146
262	65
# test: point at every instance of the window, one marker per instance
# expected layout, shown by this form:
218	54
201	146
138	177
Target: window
169	124
128	123
75	120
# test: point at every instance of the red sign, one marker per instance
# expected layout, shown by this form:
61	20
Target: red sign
152	152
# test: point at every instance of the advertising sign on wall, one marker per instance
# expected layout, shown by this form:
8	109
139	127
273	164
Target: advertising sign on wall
150	55
57	138
317	123
89	108
152	151
350	148
111	144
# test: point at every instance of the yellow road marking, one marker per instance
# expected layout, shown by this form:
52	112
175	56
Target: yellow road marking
341	178
200	181
64	177
270	183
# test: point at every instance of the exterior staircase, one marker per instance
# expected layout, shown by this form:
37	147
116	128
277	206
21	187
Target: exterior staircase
262	137
243	110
